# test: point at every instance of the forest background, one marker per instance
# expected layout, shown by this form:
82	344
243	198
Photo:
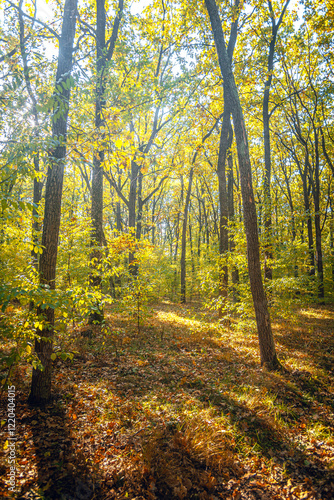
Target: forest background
123	145
165	154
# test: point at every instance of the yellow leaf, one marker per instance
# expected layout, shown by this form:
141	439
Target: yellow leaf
5	446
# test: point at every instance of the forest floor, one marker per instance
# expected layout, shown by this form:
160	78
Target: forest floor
181	410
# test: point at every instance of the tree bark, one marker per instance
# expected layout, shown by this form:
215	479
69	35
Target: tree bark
268	273
226	138
231	217
224	144
184	237
266	340
37	187
41	380
103	56
317	222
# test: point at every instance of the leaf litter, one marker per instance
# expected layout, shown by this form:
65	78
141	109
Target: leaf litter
181	411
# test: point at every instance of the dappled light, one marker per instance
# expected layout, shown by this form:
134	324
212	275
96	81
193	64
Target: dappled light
181	414
166	250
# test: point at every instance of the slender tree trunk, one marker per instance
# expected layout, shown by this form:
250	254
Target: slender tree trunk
37	187
206	221
266	340
199	222
317	221
140	205
308	219
184	237
132	211
231	218
224	145
268	273
41	380
331	237
192	260
153	220
103	56
98	158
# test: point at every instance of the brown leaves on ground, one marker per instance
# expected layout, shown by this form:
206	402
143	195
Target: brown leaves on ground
182	411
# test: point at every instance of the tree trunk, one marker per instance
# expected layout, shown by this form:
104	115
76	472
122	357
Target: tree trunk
309	219
331	237
184	238
231	215
317	222
102	58
41	380
224	145
266	340
37	188
199	222
132	211
268	273
140	205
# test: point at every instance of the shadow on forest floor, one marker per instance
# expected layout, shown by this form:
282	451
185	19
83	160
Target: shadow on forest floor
184	411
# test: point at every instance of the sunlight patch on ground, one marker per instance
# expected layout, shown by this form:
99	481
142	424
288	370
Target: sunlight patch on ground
170	317
318	314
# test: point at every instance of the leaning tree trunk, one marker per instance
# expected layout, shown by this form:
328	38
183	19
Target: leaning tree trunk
266	340
226	138
41	379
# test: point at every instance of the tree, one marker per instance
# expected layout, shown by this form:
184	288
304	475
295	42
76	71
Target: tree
266	136
41	379
266	340
104	53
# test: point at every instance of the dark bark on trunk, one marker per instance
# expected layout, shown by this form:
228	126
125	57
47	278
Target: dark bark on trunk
132	211
317	221
266	139
119	226
41	380
153	220
102	58
329	161
226	138
290	201
266	340
184	238
192	260
140	205
224	144
206	224
37	188
214	211
331	237
231	216
305	174
199	236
